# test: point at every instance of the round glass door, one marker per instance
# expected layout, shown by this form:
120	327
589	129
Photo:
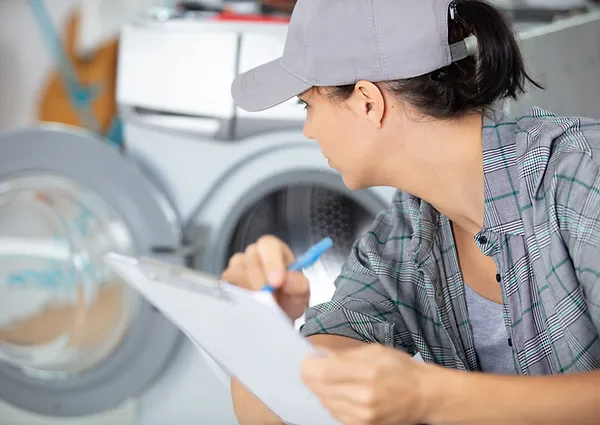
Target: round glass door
61	309
74	339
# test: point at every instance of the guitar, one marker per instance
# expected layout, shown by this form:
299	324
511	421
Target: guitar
81	90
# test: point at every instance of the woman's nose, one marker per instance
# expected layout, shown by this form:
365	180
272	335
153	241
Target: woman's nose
307	130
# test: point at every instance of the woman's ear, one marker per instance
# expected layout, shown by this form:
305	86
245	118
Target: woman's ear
368	102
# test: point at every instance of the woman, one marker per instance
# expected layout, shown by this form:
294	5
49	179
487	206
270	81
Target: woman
488	259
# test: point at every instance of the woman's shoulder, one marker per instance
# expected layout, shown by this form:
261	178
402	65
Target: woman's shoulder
544	135
551	150
559	164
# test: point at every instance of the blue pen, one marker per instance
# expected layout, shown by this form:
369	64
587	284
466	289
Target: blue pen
307	259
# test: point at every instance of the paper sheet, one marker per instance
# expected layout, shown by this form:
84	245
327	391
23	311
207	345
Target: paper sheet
244	331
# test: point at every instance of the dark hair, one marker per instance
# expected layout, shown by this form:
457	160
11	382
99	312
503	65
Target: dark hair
470	84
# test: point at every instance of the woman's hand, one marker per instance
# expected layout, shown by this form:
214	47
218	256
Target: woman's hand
266	261
370	385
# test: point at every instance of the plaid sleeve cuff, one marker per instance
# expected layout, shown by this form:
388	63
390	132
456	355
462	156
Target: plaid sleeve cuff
348	318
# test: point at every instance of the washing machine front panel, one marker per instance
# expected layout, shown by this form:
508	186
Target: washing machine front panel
289	191
74	339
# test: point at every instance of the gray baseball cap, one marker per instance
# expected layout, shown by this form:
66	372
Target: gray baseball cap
338	42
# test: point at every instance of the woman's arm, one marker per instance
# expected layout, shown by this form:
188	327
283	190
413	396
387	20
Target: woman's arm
373	385
477	398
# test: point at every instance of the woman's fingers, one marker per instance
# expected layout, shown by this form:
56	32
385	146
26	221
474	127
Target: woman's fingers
275	257
254	268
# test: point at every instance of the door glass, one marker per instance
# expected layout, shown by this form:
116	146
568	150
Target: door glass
61	309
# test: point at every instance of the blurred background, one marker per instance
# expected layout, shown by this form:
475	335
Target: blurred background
118	133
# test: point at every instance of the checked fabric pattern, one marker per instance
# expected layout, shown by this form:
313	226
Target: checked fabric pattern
402	285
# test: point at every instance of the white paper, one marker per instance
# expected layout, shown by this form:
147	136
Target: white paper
245	332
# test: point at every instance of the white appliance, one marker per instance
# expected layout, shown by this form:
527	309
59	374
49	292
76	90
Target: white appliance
199	180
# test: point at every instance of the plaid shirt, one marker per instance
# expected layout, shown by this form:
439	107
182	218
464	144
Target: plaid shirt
402	284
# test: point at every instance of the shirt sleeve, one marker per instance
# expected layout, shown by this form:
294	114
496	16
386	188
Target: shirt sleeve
591	284
361	307
581	218
575	213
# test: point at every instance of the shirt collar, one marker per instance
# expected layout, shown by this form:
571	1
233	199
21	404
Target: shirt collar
502	211
424	232
502	200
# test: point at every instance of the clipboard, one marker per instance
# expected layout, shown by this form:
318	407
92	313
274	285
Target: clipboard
243	331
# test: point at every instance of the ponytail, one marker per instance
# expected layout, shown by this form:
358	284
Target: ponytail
499	71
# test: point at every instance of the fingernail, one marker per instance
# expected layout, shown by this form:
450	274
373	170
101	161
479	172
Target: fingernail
275	276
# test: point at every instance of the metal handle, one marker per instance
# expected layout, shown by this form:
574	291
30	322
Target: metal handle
161	120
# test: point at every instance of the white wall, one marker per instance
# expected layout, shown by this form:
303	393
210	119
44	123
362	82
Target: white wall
25	62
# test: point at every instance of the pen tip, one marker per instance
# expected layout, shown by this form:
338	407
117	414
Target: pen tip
325	243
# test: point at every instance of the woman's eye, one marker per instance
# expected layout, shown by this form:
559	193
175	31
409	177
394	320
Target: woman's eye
301	102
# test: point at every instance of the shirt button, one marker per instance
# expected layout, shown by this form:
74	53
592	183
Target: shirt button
498	278
483	240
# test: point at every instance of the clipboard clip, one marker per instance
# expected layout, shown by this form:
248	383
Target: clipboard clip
182	278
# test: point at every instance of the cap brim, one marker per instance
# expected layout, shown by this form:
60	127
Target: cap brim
266	86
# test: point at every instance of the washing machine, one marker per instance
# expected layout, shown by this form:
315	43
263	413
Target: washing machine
197	181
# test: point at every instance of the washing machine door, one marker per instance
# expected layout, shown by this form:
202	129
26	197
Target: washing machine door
74	339
301	201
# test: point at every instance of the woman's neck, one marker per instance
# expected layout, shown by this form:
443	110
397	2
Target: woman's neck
442	165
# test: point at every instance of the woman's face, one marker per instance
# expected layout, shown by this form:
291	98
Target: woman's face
345	136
